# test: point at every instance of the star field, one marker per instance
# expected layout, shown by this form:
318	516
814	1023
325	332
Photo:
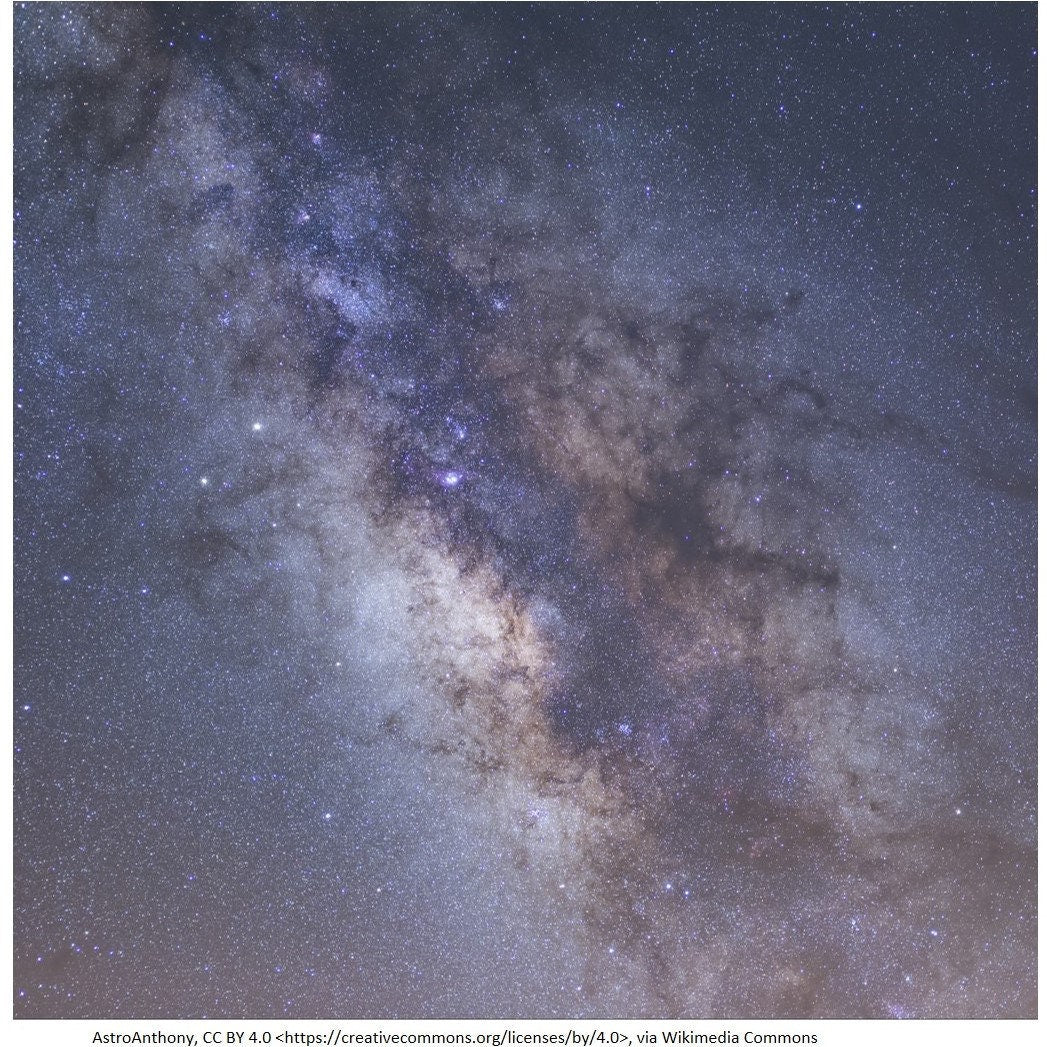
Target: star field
524	511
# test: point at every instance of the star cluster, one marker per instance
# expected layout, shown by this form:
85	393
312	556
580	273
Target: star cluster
524	511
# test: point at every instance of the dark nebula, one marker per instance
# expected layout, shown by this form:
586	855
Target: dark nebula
525	511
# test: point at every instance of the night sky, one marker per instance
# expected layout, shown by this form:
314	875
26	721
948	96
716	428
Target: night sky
525	511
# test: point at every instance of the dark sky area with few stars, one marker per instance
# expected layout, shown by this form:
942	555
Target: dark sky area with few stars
525	511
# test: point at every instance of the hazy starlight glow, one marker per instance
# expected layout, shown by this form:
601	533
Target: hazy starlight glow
524	511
